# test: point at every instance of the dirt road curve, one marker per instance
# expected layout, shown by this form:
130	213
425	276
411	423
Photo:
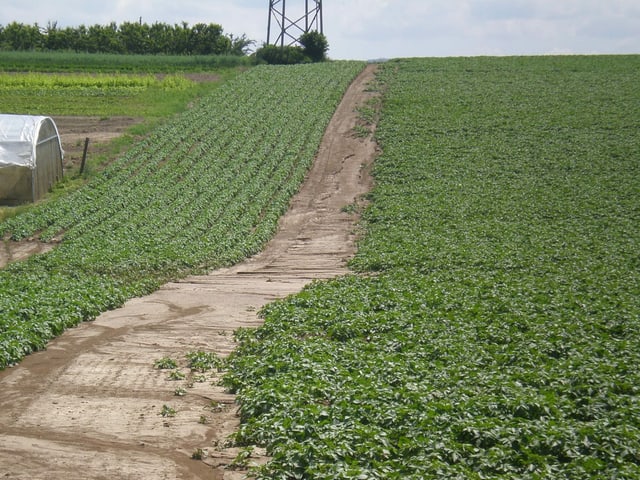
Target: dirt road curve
89	407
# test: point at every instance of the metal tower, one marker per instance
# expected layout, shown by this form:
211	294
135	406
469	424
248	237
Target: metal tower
289	30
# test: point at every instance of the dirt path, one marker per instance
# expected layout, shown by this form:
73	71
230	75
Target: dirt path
89	407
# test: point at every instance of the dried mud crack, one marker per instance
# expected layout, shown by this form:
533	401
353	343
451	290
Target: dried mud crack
92	406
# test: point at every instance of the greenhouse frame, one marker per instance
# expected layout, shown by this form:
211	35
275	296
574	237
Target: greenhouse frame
31	158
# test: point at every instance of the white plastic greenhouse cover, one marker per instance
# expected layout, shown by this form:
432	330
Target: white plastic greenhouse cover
18	139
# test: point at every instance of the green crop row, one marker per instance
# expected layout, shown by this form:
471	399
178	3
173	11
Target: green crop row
41	80
202	191
94	95
91	63
500	335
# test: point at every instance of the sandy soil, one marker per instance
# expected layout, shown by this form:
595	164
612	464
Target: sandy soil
89	407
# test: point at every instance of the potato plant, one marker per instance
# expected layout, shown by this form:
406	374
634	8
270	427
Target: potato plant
202	191
496	333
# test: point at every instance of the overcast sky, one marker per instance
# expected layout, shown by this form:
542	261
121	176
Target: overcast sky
367	29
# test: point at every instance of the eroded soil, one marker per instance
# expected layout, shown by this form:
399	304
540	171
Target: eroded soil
14	251
90	406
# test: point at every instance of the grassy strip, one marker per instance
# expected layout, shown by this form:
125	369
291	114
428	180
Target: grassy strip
113	63
104	81
202	191
102	95
500	336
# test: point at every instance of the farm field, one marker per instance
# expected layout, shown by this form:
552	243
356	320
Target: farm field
491	326
200	192
101	95
114	100
97	403
92	63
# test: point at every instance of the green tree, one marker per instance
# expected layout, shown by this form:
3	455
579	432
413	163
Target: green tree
161	38
275	55
314	46
134	37
80	38
56	39
128	37
208	39
104	39
240	45
181	34
18	36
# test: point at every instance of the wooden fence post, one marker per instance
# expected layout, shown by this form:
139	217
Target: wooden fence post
84	154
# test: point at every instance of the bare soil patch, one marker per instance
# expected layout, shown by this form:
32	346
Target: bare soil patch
74	130
89	407
14	251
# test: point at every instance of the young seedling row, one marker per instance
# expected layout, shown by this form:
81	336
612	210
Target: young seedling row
202	191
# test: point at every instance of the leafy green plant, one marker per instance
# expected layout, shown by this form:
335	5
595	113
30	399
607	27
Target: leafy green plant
494	330
168	411
176	375
361	131
165	363
201	361
242	458
368	115
350	208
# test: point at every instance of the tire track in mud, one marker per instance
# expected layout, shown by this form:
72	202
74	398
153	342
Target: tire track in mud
90	406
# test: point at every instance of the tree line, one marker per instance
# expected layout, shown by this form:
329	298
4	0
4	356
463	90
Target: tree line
313	47
125	38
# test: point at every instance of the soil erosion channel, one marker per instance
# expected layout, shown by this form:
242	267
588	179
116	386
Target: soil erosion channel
93	406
